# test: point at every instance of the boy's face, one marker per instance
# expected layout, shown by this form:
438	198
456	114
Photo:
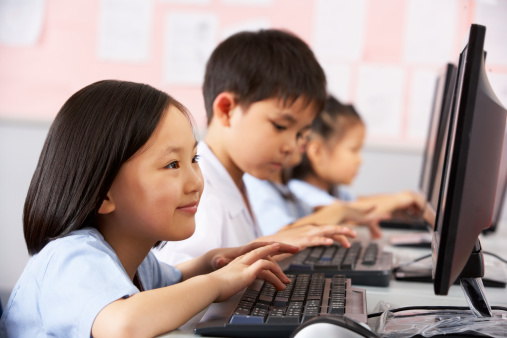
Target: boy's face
263	138
340	162
156	192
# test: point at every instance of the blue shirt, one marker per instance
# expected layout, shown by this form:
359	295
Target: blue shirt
273	204
317	197
66	285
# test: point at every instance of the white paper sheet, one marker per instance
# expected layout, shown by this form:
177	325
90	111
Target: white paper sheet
379	101
248	2
430	31
422	92
21	21
124	30
338	80
250	25
339	26
189	40
186	2
493	15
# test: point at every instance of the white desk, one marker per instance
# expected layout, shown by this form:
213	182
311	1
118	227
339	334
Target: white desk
401	294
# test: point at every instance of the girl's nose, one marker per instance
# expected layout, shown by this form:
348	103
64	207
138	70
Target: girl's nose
195	180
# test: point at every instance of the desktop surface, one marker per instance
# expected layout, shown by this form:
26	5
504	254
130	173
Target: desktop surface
400	293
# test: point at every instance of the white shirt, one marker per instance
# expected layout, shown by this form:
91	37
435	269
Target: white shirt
222	218
316	196
273	204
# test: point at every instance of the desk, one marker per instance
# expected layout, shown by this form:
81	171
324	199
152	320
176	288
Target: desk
401	294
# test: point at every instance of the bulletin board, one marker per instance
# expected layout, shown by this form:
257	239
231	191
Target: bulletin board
382	56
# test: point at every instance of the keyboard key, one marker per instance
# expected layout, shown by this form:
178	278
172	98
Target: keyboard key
245	320
283	320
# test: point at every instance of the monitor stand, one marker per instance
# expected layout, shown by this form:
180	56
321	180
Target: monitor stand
476	299
471	283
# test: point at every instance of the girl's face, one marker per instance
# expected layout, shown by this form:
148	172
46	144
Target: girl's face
340	163
156	192
266	135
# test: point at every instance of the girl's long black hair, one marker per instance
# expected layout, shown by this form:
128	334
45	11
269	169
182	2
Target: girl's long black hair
99	128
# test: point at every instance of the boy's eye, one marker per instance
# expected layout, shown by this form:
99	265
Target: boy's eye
196	158
279	126
173	165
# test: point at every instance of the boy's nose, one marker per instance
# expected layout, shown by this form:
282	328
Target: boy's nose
289	146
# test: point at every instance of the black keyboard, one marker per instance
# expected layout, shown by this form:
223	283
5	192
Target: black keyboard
405	220
365	263
261	311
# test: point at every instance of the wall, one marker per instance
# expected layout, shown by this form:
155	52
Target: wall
383	56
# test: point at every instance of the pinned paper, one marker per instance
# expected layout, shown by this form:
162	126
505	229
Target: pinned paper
21	21
189	40
124	30
379	100
339	27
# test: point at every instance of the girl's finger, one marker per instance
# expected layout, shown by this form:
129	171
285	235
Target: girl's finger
251	257
277	271
263	269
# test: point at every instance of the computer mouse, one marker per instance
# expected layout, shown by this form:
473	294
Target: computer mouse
332	326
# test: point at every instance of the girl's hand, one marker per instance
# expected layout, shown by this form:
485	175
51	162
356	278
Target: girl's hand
243	270
223	256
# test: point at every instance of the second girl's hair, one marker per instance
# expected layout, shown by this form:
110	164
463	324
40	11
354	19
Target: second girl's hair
97	130
330	125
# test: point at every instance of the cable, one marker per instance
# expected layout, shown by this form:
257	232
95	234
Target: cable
495	255
411	262
445	308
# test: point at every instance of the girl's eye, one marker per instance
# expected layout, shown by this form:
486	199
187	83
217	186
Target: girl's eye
173	165
278	126
196	158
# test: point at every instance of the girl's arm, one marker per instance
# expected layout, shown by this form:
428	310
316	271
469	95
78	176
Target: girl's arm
153	312
387	203
218	258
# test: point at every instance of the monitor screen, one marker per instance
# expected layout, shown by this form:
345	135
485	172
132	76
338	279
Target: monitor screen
469	168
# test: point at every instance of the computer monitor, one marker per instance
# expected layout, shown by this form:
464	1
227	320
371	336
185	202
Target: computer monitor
466	195
435	140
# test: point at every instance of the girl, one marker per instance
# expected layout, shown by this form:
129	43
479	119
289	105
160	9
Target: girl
118	174
277	208
332	158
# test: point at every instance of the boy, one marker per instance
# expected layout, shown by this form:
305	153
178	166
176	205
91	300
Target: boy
261	91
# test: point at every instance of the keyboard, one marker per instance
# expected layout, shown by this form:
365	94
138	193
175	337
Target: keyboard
365	263
261	311
405	220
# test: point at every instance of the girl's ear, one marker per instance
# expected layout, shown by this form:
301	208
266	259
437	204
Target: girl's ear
314	150
107	205
223	107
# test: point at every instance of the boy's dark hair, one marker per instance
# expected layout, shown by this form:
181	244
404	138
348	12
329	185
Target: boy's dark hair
262	65
99	128
330	124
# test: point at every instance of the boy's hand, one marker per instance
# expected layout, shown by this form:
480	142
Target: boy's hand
311	235
257	263
366	216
